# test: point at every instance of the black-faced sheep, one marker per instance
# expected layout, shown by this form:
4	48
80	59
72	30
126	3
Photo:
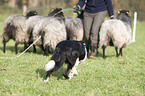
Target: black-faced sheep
52	30
116	32
32	21
74	28
15	28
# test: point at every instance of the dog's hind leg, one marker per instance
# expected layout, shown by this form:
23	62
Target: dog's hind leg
65	74
72	72
47	76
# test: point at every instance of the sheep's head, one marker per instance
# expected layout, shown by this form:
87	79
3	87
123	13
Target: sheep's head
126	12
124	15
31	13
56	12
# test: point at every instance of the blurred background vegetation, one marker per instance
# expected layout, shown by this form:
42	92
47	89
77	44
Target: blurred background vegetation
43	6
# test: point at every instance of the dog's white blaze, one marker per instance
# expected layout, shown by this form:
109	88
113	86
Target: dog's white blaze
50	65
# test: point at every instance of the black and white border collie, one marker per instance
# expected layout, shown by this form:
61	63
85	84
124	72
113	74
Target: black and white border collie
70	52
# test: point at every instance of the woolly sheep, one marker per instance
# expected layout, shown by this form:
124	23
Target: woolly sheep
32	21
116	32
74	28
15	28
52	30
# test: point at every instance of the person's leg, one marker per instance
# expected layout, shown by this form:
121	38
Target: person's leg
98	20
88	19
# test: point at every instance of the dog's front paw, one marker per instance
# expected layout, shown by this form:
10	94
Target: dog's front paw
46	80
70	77
66	77
75	72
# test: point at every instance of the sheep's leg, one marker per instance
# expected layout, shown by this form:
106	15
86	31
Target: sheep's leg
25	45
104	47
121	52
16	47
4	45
34	48
46	50
117	52
42	47
73	69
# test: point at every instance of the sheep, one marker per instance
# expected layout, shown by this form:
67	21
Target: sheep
52	30
15	28
74	28
32	21
116	32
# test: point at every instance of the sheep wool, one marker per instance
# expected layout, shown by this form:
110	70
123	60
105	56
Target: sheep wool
30	23
15	28
117	31
74	28
52	32
34	20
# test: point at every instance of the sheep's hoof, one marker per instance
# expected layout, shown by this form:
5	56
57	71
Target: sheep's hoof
117	55
104	57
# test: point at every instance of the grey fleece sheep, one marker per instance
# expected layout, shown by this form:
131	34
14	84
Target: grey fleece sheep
32	21
116	32
74	28
52	30
15	28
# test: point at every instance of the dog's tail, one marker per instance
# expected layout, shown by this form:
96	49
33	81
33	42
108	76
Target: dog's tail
50	65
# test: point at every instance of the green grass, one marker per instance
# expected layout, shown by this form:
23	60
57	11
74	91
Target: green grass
122	76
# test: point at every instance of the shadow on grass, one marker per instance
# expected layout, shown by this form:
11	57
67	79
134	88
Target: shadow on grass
21	49
59	73
101	55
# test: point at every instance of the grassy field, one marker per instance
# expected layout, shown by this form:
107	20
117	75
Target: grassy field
122	76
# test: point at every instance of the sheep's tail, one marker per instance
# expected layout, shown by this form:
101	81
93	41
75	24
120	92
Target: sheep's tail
50	65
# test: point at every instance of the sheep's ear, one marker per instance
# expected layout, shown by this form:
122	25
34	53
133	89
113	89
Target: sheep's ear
35	13
51	10
127	12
